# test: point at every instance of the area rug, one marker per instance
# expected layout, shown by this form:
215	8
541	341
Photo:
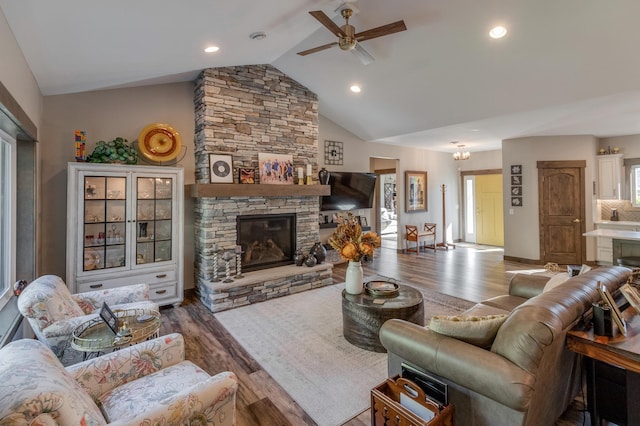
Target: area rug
298	340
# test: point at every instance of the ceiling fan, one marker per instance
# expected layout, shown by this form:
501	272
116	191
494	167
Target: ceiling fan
348	39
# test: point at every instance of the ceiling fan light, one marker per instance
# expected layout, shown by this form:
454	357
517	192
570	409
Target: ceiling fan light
347	43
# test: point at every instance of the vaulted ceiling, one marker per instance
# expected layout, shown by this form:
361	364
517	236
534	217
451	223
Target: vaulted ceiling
564	67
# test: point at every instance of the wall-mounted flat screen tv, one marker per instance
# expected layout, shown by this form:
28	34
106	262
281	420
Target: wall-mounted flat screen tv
349	191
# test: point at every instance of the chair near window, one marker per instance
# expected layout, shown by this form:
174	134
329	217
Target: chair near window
53	312
414	235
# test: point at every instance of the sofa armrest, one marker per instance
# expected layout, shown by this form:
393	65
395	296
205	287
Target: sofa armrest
104	373
469	366
210	402
527	285
91	301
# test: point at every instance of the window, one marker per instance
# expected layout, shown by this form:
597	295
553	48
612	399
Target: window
635	185
8	173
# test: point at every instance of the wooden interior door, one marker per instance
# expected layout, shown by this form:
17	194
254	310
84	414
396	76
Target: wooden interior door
489	213
562	211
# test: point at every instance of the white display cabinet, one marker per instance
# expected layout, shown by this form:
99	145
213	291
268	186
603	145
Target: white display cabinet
125	226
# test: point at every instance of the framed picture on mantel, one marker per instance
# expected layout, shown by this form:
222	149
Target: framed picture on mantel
415	184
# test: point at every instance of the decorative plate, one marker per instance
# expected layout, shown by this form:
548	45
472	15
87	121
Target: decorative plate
159	142
381	288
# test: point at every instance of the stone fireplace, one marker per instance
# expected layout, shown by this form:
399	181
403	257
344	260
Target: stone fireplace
242	111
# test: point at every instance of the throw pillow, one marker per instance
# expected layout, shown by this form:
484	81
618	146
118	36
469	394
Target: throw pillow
555	281
476	330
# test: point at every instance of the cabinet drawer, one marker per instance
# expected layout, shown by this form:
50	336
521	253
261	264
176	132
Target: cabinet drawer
164	291
605	243
604	256
158	277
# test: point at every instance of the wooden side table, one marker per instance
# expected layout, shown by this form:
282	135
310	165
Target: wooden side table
362	317
613	371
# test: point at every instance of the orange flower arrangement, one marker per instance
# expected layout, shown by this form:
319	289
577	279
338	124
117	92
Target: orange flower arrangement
351	243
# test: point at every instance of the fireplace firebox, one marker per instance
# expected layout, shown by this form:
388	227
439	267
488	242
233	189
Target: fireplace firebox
267	241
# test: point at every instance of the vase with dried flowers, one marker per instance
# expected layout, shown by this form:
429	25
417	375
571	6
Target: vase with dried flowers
355	246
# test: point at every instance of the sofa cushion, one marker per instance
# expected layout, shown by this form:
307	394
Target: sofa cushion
555	281
505	302
477	330
136	397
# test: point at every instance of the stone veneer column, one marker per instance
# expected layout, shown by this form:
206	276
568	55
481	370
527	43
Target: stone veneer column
242	111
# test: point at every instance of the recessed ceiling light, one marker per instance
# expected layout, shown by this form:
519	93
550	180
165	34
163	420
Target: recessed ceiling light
498	32
211	49
257	36
355	88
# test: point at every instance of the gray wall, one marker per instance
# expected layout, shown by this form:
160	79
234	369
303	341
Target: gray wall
105	115
521	229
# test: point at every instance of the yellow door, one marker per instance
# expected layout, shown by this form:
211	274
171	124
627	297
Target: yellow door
489	215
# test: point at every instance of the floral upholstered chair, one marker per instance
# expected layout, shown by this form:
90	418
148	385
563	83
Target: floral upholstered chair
145	384
53	312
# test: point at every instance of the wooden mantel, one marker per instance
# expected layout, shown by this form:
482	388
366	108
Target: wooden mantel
203	190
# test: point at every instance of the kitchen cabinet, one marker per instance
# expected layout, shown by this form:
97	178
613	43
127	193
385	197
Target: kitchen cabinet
604	245
610	177
125	226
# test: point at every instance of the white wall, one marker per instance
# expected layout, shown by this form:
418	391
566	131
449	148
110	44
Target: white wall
629	145
521	229
16	76
440	167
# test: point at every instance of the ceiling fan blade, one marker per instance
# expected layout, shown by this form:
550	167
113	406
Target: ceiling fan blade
364	56
394	27
317	49
327	22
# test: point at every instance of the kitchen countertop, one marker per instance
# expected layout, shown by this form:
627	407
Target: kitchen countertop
614	233
616	222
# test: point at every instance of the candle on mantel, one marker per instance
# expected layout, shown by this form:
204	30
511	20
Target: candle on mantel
308	169
300	174
238	249
215	247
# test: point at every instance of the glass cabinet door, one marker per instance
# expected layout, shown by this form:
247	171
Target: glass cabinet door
153	219
104	222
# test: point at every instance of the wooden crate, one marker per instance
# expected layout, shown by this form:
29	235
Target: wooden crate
386	408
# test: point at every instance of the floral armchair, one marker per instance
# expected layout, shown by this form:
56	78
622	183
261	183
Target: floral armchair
144	384
53	312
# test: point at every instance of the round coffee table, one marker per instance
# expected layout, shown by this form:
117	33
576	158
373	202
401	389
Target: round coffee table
362	316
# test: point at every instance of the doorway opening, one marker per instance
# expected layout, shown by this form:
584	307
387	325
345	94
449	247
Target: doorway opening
483	215
385	209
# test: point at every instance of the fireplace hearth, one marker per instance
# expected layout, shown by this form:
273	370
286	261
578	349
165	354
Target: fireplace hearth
267	240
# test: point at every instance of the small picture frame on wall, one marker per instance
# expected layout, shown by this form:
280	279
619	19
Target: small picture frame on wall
220	168
516	169
246	175
516	191
415	184
516	180
516	201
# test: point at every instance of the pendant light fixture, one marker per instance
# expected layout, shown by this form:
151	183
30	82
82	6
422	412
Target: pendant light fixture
461	153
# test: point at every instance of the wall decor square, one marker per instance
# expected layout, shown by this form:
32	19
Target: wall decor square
246	175
220	168
275	169
516	185
333	153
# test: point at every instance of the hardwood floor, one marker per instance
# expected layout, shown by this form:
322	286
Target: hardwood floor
470	273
